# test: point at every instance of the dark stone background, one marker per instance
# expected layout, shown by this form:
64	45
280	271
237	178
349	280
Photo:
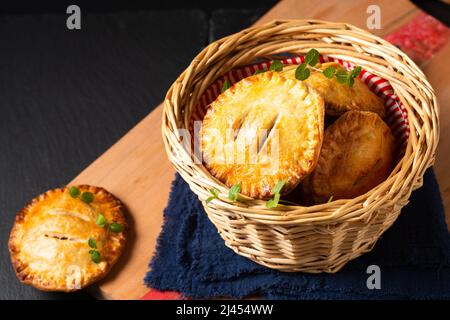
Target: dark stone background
66	96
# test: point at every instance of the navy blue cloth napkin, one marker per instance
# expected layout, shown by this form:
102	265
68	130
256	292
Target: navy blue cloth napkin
413	256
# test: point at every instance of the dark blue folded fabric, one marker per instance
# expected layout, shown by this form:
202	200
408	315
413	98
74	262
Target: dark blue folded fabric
413	255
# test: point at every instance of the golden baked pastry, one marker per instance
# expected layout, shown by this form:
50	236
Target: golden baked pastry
50	242
340	98
264	129
357	155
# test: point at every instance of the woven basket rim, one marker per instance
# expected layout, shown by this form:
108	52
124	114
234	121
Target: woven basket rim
407	80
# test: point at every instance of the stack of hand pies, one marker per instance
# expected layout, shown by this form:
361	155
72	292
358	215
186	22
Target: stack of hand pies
322	138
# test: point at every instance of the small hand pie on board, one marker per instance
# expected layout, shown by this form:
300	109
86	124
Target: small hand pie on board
50	242
264	129
357	155
340	98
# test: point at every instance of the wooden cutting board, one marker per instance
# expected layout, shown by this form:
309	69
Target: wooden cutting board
136	168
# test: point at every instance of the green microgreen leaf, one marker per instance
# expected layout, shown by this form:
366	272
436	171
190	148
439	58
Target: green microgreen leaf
116	227
273	203
276	65
350	81
302	72
95	256
329	72
92	243
279	186
355	72
74	192
87	197
331	199
226	85
341	76
215	195
312	57
214	192
101	220
233	194
302	66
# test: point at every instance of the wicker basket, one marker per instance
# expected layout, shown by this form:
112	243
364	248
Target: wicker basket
320	238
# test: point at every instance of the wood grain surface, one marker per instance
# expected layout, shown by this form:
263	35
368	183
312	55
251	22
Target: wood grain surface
438	74
136	168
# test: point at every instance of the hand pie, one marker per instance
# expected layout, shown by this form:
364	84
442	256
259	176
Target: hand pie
357	155
340	98
263	130
49	243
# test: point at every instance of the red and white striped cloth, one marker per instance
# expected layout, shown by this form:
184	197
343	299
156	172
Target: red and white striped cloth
396	114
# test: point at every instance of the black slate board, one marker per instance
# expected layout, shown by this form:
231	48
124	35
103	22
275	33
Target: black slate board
67	96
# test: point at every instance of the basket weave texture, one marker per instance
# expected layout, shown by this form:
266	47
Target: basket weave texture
320	238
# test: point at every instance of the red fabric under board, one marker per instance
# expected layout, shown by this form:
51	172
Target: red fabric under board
421	38
161	295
